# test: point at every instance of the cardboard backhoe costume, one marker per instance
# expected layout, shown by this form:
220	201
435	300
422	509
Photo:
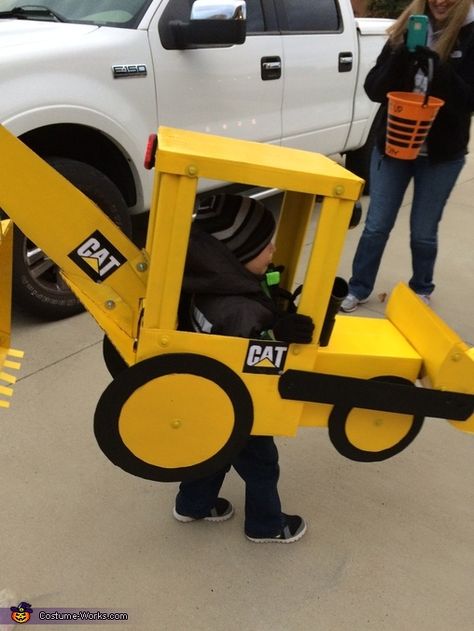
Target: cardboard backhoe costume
186	402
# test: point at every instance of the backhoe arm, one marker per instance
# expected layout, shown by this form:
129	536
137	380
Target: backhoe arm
101	265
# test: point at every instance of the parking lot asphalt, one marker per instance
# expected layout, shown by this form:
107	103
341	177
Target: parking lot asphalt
389	547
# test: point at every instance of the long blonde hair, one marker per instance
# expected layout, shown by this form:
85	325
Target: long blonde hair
450	28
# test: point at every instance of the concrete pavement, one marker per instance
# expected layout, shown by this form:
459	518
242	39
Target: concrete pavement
389	547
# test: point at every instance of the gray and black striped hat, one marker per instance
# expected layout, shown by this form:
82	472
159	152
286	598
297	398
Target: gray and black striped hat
243	224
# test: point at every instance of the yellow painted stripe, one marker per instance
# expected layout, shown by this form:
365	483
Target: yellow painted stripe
4	376
16	353
13	365
6	391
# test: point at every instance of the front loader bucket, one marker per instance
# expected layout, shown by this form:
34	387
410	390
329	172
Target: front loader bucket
8	356
448	362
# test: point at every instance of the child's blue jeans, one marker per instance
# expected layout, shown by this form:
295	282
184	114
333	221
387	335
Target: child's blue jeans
257	465
389	179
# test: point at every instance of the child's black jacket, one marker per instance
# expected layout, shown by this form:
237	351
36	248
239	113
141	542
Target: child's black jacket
231	298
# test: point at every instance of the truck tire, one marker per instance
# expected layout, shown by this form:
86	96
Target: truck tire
37	284
358	161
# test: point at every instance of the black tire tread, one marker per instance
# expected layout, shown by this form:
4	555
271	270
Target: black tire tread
35	297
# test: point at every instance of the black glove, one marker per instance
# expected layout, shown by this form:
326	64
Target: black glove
294	327
423	55
425	52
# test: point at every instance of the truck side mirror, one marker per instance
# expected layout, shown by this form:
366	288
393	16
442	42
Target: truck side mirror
212	23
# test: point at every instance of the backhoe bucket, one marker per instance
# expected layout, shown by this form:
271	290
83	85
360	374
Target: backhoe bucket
8	356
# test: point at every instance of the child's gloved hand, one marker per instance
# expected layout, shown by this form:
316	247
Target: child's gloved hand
294	327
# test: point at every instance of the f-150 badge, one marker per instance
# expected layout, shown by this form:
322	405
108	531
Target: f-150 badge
129	70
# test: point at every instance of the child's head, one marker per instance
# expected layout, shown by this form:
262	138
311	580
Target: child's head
243	225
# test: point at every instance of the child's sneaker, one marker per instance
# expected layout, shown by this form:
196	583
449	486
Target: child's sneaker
293	529
222	510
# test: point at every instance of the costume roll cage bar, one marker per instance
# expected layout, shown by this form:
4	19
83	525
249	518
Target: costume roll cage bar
184	403
8	356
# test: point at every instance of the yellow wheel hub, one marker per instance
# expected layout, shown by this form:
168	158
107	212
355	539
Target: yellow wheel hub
372	430
176	420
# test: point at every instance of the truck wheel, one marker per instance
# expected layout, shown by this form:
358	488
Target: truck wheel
174	417
358	161
372	435
37	283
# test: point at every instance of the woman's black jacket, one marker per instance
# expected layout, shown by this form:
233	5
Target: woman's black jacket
453	81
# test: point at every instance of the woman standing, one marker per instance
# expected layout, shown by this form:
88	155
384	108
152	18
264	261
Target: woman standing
450	56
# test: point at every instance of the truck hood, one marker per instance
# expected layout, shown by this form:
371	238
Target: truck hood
30	34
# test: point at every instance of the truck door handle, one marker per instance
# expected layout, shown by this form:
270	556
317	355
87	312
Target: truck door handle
270	68
345	62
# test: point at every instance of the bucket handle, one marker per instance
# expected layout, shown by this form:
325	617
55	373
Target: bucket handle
430	81
430	56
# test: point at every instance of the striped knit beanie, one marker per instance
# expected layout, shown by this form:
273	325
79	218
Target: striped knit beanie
243	224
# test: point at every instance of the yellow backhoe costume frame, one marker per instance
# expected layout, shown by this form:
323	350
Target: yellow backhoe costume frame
187	401
8	356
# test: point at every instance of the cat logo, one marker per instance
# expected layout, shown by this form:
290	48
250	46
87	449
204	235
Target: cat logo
97	257
267	358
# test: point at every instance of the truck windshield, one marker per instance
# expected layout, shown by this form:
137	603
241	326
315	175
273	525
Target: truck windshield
123	13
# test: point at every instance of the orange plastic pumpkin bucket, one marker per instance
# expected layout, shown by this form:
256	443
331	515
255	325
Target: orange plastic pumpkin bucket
408	123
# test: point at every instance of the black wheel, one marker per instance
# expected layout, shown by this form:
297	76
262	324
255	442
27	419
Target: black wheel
358	161
112	358
37	283
372	435
174	417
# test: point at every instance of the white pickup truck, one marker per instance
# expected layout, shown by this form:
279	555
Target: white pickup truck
84	83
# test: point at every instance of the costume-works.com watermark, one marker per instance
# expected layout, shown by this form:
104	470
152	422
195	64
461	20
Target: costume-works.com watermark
23	613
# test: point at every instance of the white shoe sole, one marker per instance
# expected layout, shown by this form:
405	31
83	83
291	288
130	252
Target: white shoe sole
425	298
273	540
184	519
359	302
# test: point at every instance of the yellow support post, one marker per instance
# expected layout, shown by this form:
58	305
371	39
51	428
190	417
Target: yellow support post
8	356
167	262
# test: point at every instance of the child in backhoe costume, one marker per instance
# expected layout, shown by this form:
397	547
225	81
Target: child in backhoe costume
230	249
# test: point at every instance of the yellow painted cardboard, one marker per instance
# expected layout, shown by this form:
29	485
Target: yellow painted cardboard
7	354
173	413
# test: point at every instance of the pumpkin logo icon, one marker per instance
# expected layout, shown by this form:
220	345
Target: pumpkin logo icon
22	613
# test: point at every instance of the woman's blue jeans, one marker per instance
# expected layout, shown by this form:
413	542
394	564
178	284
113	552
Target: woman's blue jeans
257	465
389	179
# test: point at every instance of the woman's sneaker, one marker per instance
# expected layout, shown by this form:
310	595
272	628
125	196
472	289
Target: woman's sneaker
351	302
293	529
222	510
426	298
